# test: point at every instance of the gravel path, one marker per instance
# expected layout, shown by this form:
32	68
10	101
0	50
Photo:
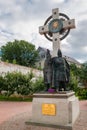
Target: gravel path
17	122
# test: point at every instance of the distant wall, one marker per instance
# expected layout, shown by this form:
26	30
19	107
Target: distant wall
7	67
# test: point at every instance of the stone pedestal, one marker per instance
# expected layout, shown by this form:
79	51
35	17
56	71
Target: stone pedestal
58	110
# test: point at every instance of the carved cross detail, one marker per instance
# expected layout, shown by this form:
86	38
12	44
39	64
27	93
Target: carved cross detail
67	24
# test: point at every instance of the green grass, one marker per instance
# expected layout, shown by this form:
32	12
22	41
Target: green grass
24	99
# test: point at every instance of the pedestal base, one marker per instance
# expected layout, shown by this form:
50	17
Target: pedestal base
41	126
58	110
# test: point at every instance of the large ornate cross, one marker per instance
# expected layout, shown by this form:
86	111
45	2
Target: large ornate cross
56	27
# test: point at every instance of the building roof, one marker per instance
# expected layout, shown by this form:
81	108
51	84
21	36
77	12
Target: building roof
69	59
72	60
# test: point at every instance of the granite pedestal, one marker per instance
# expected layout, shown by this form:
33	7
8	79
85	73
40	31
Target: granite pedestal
57	110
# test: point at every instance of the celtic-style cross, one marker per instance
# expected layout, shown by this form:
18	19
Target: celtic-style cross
56	28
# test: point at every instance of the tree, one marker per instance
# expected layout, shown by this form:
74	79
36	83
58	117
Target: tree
74	77
22	52
83	74
75	70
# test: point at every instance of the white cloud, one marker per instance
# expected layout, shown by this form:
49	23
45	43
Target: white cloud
20	19
84	48
56	1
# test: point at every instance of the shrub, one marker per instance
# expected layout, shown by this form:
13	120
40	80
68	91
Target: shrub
6	98
73	83
38	85
14	61
2	81
82	93
16	81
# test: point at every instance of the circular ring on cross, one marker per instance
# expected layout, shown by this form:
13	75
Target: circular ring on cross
56	25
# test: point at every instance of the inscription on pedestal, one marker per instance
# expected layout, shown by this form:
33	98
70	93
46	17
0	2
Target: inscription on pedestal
49	109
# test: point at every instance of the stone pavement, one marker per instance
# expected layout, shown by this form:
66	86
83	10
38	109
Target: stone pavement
13	116
81	123
10	109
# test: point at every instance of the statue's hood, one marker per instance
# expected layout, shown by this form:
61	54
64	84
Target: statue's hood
59	53
48	54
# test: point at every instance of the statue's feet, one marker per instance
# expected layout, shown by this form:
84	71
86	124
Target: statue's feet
57	90
51	90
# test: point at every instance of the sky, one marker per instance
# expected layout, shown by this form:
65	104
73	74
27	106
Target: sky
20	19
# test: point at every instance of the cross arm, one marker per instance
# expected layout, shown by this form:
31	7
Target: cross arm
69	24
43	29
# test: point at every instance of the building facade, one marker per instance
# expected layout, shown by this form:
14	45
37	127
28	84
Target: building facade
42	57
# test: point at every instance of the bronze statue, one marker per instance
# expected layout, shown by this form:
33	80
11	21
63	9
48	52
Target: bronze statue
47	71
61	72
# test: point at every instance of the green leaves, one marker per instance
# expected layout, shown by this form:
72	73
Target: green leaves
21	52
16	82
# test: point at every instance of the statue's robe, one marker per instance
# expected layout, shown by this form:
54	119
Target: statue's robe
61	71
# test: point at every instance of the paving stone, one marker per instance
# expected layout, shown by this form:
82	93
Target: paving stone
17	120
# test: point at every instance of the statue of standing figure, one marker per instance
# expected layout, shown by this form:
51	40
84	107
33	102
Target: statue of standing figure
47	71
61	72
56	72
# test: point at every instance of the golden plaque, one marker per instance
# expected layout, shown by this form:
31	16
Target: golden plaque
49	109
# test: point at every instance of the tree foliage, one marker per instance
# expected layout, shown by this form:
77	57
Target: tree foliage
22	52
79	76
20	83
75	70
83	74
38	85
16	82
